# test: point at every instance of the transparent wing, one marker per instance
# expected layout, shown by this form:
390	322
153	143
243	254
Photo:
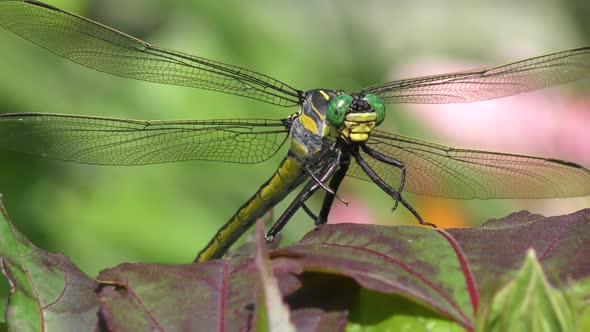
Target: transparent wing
438	170
102	48
490	83
108	141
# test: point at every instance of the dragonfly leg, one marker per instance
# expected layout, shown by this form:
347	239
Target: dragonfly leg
329	190
390	161
308	211
387	188
415	213
334	184
311	187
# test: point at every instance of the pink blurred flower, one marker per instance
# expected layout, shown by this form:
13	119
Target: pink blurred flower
357	212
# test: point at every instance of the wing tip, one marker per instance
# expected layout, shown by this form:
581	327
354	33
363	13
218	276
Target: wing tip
567	163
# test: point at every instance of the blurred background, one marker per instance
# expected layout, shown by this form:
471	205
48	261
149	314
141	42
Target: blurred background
103	216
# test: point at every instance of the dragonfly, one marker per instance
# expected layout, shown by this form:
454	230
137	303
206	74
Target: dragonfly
332	133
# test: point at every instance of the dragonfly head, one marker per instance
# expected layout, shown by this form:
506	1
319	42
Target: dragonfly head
355	115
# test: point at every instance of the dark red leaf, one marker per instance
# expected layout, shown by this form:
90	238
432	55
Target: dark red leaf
562	244
215	296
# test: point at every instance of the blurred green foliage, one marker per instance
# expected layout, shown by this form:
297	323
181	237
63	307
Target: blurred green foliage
102	216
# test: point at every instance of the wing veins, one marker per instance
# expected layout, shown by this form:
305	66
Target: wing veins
468	86
48	27
506	175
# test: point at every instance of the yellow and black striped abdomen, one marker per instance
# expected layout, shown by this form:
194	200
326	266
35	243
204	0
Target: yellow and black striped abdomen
288	176
311	137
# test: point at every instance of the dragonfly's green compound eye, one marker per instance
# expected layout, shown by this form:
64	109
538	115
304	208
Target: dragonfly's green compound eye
378	106
337	109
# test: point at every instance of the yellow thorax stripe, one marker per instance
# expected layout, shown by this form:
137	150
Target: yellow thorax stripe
325	94
308	123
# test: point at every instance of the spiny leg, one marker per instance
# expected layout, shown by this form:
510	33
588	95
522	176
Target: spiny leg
310	187
334	184
388	189
309	211
390	161
415	213
268	220
329	190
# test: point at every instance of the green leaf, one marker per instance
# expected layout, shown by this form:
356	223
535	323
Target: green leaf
3	309
578	295
47	291
386	312
529	303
